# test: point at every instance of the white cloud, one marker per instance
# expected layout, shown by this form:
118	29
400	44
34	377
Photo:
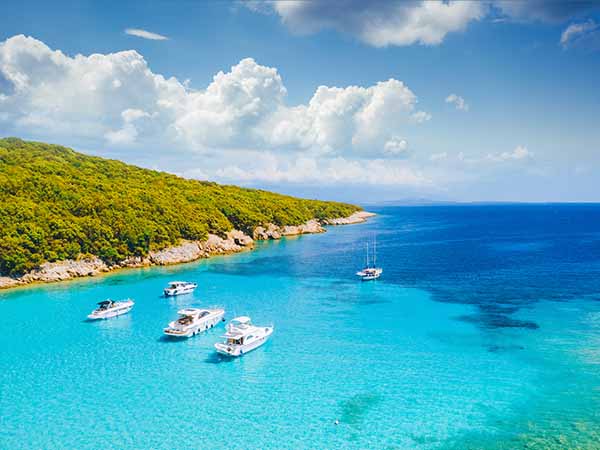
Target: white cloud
267	168
145	34
240	125
438	156
361	121
379	22
382	23
116	98
519	153
128	133
421	116
458	102
581	34
396	147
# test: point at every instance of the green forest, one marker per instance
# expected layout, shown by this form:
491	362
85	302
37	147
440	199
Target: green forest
57	204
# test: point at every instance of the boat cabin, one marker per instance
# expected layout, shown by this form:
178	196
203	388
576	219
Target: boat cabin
106	304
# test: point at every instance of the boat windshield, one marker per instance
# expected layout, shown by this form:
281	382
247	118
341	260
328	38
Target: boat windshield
241	321
185	320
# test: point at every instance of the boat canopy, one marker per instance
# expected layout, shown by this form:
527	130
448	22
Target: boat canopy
105	302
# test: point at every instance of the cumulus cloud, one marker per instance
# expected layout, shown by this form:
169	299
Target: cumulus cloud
362	121
382	23
585	34
116	98
82	96
458	102
145	34
378	22
129	132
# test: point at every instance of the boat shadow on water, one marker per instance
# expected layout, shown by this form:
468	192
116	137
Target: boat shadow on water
217	358
169	340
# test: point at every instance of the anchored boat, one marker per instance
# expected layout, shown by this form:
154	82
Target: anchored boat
242	337
109	308
192	321
179	288
370	272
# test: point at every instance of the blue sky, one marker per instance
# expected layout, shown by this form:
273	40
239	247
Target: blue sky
468	101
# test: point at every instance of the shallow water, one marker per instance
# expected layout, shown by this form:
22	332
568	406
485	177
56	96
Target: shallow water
483	332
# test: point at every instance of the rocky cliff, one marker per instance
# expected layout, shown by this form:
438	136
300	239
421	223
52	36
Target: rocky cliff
187	251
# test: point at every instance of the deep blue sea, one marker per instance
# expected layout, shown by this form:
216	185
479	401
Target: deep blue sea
482	333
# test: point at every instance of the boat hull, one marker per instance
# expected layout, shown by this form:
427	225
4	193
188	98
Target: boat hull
110	314
200	327
369	274
239	350
175	292
369	277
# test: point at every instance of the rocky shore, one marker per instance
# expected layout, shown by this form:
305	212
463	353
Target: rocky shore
235	241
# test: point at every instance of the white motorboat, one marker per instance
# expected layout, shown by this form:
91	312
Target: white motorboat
242	337
192	321
179	287
370	272
109	308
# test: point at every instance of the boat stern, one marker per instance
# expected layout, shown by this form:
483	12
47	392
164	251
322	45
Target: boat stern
176	333
227	350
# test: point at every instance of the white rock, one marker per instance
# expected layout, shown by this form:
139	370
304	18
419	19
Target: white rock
357	217
185	252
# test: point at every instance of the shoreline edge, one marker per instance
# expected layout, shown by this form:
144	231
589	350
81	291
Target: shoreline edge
235	241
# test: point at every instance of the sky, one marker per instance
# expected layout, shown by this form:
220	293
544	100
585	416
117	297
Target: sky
365	101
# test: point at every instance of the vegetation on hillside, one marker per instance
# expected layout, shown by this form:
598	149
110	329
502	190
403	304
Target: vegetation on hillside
57	204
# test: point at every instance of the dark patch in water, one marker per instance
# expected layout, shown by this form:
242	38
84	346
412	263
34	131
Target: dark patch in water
504	348
492	321
168	340
355	408
495	308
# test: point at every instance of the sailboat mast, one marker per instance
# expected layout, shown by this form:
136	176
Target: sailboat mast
367	254
375	251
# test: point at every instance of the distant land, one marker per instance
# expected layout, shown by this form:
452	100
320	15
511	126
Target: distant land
413	202
430	202
64	214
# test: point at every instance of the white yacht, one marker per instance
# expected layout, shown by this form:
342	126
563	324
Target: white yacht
192	321
370	272
242	337
179	287
109	308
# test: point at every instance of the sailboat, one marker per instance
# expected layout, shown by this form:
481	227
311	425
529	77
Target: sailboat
371	272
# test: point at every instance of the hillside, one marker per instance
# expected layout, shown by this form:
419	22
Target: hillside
58	204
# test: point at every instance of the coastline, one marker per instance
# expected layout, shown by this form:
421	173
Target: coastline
187	251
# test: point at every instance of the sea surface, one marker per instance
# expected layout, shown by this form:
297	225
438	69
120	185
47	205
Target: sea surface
482	333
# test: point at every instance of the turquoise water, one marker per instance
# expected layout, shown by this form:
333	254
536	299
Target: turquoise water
478	335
